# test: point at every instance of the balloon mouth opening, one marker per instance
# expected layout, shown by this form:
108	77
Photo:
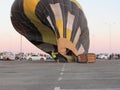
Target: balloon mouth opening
66	48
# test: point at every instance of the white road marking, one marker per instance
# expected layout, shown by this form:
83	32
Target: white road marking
61	73
60	78
63	68
58	88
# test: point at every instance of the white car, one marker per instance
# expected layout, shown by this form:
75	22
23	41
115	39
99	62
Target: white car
35	57
103	56
8	56
1	57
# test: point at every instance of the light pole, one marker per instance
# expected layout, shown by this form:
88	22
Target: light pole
110	47
109	24
20	43
110	35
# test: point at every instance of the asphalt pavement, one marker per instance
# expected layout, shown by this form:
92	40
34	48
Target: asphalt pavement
36	75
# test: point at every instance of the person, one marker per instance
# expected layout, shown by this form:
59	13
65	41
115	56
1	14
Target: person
54	55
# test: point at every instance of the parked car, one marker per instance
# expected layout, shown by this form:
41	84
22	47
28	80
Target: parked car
43	56
49	57
20	56
35	57
103	56
1	57
8	56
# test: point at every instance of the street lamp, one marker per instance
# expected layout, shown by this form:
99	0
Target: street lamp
110	47
20	43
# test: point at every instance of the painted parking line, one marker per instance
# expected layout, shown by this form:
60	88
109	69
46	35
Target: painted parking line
63	68
61	72
60	78
58	88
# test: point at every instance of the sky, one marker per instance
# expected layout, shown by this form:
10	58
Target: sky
103	18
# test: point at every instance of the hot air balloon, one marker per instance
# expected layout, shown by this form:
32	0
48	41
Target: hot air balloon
52	25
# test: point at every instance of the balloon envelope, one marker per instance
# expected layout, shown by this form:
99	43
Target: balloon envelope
58	25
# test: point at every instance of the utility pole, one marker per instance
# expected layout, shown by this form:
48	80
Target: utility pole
110	47
20	43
